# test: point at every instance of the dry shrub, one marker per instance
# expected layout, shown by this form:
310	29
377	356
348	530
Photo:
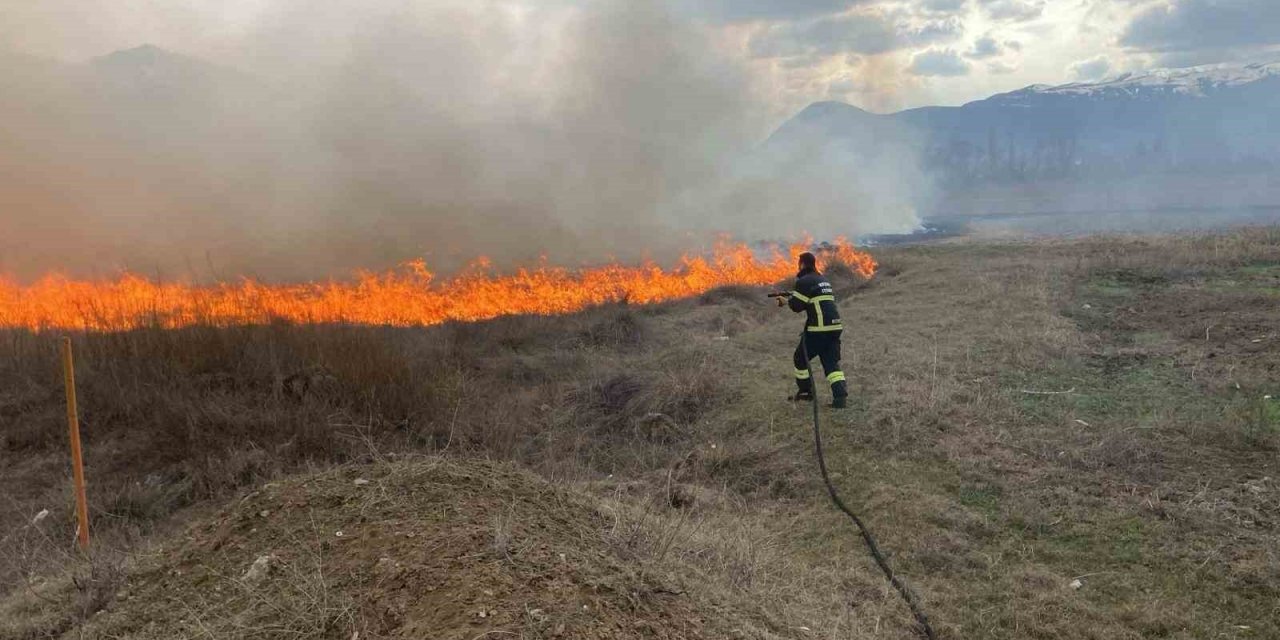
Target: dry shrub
612	398
889	268
689	385
731	294
1129	451
1257	422
839	272
57	587
679	396
616	327
847	281
755	468
508	333
148	500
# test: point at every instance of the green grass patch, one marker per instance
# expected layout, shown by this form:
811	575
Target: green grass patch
1258	419
1150	339
1136	391
1070	544
1117	540
1107	286
1242	286
1256	279
1264	270
1120	283
983	498
1128	542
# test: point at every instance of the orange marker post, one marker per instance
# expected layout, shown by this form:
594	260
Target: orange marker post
77	462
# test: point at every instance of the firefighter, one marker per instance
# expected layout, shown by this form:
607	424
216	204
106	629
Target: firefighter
813	295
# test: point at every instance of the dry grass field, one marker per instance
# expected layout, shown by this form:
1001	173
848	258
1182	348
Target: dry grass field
1052	439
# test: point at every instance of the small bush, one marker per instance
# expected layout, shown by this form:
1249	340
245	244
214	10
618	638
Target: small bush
615	327
732	293
1259	422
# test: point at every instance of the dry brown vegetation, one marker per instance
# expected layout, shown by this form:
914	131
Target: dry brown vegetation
1025	415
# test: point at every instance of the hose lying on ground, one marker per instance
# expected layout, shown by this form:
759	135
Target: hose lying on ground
905	591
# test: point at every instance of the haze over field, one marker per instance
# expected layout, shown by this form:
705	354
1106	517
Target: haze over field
288	141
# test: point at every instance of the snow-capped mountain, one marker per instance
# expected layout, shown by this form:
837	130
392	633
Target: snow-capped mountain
1196	82
1217	117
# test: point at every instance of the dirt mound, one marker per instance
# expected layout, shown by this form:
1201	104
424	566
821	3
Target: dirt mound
429	549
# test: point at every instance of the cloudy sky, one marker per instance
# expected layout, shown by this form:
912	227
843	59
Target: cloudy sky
882	55
890	54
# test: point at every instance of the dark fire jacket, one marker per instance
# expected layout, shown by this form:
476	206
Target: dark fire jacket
813	295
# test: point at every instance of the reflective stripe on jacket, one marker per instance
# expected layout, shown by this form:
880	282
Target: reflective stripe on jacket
813	295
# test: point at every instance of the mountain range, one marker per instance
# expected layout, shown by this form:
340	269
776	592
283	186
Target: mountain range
1222	117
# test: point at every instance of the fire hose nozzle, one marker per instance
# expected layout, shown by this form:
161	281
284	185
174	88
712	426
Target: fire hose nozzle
781	296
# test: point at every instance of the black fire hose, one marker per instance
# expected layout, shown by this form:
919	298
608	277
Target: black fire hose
909	596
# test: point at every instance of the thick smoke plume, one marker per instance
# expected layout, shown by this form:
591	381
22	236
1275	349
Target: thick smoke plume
348	135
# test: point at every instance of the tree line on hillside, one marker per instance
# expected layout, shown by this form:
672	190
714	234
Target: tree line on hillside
1005	157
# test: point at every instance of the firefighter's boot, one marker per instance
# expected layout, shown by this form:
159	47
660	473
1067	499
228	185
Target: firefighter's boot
839	395
804	386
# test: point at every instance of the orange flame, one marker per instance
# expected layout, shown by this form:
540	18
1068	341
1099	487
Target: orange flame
410	296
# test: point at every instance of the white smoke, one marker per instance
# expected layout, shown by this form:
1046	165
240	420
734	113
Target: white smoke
341	135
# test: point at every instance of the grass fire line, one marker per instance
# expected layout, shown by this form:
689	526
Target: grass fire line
411	296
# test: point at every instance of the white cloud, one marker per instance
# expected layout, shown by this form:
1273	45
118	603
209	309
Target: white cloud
1215	55
1184	25
744	10
871	31
1092	69
984	47
860	33
1000	68
938	62
1013	10
943	6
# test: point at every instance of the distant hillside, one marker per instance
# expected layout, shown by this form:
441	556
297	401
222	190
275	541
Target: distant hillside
149	67
1218	117
159	97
